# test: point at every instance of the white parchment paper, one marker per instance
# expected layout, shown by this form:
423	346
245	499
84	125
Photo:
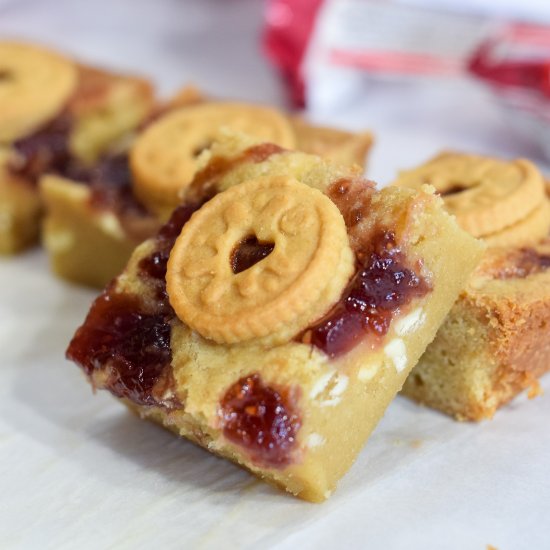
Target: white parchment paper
78	471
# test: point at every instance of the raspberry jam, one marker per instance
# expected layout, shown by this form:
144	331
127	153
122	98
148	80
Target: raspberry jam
521	263
46	150
248	253
132	346
381	286
261	419
154	265
110	181
128	343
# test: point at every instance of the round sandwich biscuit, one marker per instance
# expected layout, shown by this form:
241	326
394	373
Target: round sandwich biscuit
35	85
271	295
164	157
486	195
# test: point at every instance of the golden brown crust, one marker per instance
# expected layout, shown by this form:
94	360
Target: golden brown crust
340	146
96	87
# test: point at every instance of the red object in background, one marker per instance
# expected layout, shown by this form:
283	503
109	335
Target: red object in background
289	24
525	63
546	80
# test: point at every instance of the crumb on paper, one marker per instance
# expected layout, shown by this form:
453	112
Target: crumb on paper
413	443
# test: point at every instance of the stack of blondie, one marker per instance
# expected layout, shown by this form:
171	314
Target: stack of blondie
263	299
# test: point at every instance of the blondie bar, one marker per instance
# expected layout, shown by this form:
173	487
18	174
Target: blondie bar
56	116
278	312
495	341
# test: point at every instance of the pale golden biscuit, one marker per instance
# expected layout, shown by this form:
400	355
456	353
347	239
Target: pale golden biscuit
528	230
340	146
296	413
164	157
35	85
276	298
485	194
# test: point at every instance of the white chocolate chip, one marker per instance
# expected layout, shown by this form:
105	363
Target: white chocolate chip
335	393
340	386
321	384
411	322
368	372
110	224
315	440
397	352
59	240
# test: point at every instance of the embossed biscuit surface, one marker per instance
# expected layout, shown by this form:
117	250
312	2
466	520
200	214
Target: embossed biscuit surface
299	281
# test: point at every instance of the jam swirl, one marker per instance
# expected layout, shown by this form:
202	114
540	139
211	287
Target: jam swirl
132	345
127	342
381	286
45	151
521	263
120	337
261	419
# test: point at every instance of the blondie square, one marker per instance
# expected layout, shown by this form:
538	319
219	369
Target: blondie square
495	342
56	116
277	313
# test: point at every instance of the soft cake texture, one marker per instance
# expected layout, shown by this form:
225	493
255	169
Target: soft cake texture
495	342
316	405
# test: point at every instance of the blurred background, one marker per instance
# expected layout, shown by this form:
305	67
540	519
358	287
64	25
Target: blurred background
424	75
